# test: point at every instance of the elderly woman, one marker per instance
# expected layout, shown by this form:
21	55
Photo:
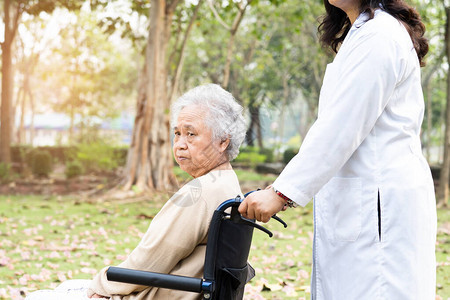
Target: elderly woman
208	129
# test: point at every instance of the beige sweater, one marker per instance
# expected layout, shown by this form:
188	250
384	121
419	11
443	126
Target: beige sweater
175	241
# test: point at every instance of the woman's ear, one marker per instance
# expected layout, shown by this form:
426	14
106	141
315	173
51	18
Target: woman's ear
224	145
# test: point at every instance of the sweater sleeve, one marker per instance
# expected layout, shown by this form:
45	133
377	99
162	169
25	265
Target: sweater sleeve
173	235
355	92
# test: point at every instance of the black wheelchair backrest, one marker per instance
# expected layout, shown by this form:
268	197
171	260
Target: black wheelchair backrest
226	270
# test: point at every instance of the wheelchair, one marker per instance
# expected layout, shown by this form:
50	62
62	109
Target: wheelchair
226	270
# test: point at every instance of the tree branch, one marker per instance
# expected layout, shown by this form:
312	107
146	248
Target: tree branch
438	61
6	6
170	7
16	22
216	14
177	75
175	46
239	17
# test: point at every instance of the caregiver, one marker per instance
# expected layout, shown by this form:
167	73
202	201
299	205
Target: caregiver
374	203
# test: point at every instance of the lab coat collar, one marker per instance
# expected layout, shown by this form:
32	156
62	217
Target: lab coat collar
362	18
359	22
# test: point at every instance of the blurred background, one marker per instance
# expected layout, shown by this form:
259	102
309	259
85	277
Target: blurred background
89	83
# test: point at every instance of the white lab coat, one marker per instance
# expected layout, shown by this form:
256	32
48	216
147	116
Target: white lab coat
365	146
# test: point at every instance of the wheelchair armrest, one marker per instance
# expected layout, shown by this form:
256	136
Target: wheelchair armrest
183	283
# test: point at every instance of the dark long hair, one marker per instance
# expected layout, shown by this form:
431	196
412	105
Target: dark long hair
335	25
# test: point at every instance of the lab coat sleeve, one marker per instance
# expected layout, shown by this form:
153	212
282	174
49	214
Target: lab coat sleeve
362	84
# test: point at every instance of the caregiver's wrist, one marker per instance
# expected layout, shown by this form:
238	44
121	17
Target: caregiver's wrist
288	202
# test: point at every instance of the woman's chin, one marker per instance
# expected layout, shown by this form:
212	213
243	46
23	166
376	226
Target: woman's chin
185	169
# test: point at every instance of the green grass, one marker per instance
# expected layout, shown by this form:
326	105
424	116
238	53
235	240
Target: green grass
283	262
443	254
47	240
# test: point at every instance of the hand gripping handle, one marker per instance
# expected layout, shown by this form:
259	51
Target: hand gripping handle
274	216
236	217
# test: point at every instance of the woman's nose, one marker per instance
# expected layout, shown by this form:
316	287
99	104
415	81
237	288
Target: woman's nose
180	143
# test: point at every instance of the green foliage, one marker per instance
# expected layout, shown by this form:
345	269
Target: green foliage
288	154
248	149
276	57
295	142
268	153
37	160
96	73
93	156
120	154
36	7
5	170
97	156
24	154
250	159
73	169
249	175
28	156
252	156
18	153
181	175
41	163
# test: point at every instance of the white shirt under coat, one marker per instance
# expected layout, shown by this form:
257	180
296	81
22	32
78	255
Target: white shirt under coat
365	142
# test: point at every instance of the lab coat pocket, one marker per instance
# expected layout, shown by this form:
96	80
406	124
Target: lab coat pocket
343	209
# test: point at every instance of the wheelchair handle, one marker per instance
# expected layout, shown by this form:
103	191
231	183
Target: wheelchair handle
236	217
167	281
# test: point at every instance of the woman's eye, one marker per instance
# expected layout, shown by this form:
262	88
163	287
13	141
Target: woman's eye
177	133
190	134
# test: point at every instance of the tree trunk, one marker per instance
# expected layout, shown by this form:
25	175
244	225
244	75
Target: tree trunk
10	28
226	72
254	130
21	102
284	100
33	113
15	103
429	108
250	134
149	158
233	30
443	192
72	120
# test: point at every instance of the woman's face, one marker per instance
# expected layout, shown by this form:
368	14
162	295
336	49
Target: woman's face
193	146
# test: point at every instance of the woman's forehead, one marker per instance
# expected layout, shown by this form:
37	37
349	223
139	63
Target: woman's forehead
192	113
191	117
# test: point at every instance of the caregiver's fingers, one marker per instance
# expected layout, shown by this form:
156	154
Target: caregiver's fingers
261	205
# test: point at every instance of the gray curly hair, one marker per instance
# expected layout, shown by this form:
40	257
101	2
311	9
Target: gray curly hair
224	115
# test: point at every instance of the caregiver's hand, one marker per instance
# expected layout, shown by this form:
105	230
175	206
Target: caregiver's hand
261	205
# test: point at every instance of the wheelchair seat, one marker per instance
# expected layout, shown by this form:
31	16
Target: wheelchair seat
226	270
